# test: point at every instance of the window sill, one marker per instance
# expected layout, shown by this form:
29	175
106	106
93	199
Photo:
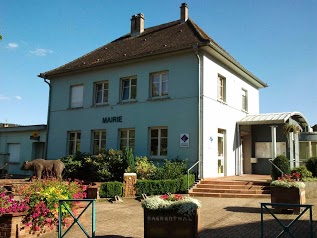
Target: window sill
128	101
100	105
74	108
159	98
221	101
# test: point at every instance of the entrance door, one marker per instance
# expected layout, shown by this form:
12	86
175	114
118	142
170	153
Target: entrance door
38	150
14	158
221	152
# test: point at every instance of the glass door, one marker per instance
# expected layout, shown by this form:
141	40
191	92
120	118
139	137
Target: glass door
221	149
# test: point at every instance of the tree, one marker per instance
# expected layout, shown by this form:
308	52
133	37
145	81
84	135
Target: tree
0	37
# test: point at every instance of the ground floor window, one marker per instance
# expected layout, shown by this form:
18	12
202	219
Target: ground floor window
73	142
127	139
99	141
158	141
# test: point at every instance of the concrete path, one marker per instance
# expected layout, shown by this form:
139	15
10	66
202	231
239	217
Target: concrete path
220	217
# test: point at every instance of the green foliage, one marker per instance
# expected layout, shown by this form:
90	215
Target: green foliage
155	187
129	161
107	166
144	168
303	171
171	170
283	164
110	189
311	165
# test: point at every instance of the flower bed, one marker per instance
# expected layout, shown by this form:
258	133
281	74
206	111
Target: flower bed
36	205
288	190
171	216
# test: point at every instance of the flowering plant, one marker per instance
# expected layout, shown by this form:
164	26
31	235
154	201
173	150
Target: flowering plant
181	204
40	202
288	181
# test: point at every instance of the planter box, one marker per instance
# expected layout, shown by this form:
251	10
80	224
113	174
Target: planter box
160	224
11	226
287	196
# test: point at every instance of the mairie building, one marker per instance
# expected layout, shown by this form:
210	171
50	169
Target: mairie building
168	92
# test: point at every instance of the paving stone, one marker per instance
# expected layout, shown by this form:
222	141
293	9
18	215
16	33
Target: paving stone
220	217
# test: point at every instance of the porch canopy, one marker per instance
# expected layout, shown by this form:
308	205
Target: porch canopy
275	118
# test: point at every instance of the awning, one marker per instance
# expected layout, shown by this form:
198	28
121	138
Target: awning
275	118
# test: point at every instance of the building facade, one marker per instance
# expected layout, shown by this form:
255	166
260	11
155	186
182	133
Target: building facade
167	92
19	144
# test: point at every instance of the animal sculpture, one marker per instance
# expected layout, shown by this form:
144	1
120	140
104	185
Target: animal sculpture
49	167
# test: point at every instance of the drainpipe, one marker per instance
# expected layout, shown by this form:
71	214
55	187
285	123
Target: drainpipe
48	117
200	114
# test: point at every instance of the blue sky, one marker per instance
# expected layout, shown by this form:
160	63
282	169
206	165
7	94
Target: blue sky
275	39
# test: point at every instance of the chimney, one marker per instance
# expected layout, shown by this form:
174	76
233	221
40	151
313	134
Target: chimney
184	12
137	24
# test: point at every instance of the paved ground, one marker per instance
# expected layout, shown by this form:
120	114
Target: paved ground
220	217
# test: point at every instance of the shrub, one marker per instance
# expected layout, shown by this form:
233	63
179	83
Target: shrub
303	171
311	165
106	166
144	168
110	189
129	161
283	164
156	187
171	170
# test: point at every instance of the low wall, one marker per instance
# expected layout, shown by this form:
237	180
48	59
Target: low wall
311	189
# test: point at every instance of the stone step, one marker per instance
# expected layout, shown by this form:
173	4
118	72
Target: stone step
228	186
228	195
237	191
234	182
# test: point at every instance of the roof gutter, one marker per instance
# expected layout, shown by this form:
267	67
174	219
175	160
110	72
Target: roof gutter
200	116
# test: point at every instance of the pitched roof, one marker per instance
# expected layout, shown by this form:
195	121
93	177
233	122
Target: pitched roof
165	38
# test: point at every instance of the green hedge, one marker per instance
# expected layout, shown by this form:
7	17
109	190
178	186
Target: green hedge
111	189
156	187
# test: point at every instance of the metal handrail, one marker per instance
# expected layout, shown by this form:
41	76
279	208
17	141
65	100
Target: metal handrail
188	173
271	161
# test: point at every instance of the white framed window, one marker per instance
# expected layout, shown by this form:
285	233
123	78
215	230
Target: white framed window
99	141
128	89
127	139
158	141
221	86
244	97
159	84
77	95
101	92
73	142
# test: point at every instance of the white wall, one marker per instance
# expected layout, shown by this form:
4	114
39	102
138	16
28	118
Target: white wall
223	115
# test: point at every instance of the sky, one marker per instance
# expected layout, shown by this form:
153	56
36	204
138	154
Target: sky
276	40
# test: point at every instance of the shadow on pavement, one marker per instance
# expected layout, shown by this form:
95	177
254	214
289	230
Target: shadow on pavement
271	228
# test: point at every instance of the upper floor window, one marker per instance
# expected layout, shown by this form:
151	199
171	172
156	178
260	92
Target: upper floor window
159	84
244	97
101	92
73	142
158	142
221	85
127	139
77	95
128	89
99	141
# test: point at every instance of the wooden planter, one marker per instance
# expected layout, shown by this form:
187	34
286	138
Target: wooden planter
11	226
287	196
160	224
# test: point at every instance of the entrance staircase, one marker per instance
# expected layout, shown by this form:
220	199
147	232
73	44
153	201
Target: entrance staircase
244	186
